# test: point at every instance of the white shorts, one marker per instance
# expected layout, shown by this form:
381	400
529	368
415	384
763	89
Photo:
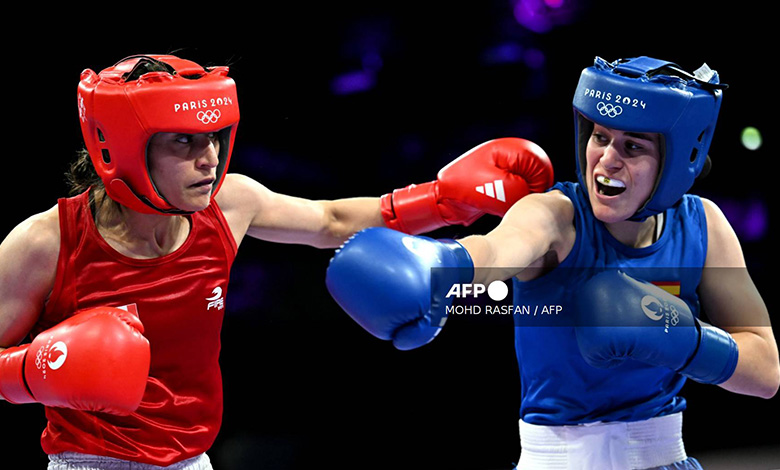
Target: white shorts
77	461
654	443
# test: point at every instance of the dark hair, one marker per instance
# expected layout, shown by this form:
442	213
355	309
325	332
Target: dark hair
81	176
146	65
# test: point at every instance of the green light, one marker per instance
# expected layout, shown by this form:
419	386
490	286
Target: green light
751	138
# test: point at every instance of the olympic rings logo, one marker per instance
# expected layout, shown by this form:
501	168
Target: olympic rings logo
39	358
674	316
609	110
210	116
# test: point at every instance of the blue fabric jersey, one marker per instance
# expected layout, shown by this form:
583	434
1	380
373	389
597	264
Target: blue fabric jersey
558	386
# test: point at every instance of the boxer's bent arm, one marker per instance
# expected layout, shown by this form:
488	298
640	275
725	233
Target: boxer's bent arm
28	266
536	232
731	301
252	209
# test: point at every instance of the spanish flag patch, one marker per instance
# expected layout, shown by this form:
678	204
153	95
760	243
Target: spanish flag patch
672	287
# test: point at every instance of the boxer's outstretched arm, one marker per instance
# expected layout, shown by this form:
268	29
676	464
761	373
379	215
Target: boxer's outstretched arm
487	179
537	232
368	290
254	210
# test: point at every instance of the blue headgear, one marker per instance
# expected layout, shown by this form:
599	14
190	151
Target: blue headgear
650	95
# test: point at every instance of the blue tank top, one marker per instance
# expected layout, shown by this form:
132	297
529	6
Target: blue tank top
558	386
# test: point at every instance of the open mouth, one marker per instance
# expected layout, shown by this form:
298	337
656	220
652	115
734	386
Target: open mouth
203	183
608	186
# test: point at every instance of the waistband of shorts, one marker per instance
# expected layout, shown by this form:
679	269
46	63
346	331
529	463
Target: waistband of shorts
636	444
77	460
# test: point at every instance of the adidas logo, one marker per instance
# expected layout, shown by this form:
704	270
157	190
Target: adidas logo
494	190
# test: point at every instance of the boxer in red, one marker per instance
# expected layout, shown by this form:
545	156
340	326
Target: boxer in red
122	286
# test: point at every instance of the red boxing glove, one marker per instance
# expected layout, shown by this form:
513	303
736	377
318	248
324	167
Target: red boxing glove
489	178
97	360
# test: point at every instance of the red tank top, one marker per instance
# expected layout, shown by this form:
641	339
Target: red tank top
180	299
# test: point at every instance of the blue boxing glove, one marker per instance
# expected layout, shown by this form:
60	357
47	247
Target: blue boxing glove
619	317
388	283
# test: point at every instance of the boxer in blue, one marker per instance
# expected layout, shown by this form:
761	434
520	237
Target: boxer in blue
601	378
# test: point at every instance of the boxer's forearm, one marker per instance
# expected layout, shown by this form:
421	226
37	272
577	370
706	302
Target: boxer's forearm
342	218
758	371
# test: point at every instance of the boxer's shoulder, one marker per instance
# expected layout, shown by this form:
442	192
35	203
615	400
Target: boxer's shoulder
550	213
38	237
552	206
28	268
723	246
240	198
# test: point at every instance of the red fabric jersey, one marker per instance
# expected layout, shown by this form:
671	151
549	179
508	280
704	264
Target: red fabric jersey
180	299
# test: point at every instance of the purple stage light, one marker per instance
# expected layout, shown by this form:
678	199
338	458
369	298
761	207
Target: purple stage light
353	82
541	16
749	218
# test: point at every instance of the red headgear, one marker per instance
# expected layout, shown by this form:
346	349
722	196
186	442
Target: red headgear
123	106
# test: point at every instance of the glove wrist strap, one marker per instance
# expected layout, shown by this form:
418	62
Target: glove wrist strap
716	357
412	209
12	384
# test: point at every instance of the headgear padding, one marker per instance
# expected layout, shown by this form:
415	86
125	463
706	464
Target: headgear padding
123	106
652	96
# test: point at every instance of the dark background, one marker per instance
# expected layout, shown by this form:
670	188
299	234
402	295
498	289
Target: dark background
340	100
